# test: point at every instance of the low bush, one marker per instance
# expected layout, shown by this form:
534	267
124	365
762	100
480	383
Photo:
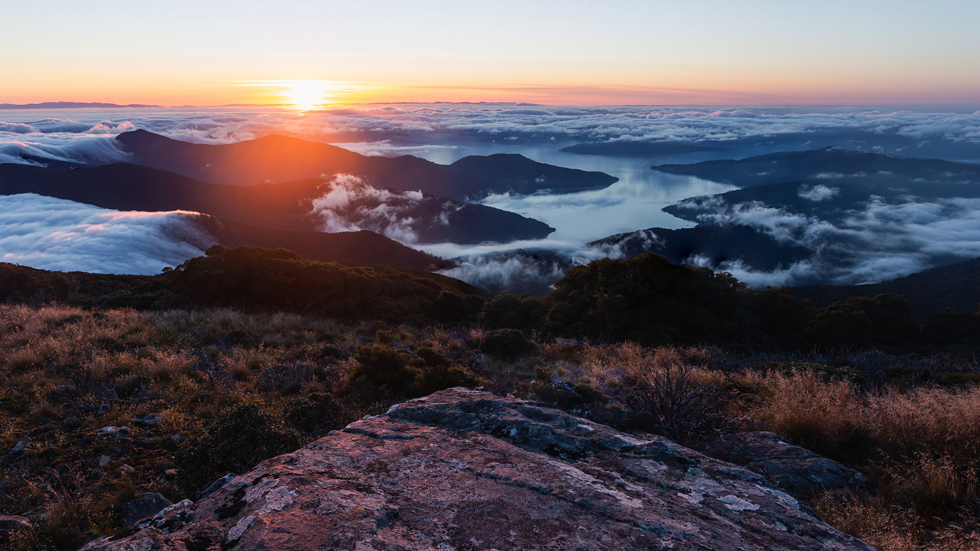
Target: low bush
384	366
668	400
506	344
235	443
317	413
436	372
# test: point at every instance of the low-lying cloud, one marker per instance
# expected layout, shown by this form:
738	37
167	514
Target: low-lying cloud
531	266
818	193
351	204
872	242
55	234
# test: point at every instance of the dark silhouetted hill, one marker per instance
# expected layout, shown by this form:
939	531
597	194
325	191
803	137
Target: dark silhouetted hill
827	163
359	246
257	279
286	206
519	174
956	286
274	159
709	244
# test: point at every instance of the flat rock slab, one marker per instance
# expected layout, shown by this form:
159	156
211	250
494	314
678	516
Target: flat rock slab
468	470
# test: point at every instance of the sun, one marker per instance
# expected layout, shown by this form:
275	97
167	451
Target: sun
306	95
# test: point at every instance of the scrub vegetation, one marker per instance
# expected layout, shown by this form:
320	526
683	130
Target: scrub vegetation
100	405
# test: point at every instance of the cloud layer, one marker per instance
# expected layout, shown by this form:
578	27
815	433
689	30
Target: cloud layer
396	129
55	234
875	241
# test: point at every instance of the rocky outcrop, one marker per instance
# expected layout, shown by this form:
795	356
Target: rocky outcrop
469	470
793	469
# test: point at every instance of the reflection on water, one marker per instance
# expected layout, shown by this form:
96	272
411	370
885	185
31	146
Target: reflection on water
632	203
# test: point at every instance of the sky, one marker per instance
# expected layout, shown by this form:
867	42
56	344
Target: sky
571	52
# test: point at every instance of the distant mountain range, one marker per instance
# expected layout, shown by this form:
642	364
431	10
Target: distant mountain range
821	216
284	206
71	105
276	159
888	142
828	163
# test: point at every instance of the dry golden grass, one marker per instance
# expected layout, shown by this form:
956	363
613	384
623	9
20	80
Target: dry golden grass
65	372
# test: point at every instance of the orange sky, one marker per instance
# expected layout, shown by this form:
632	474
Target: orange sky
571	52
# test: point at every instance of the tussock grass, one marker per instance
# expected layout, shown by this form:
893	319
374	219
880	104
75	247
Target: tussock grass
67	372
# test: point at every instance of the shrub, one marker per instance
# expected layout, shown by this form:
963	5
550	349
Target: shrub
318	412
506	344
383	366
668	401
236	442
330	352
437	373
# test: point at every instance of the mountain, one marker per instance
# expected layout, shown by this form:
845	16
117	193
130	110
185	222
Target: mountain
767	139
708	245
306	205
519	174
276	159
865	217
954	286
827	163
358	246
256	279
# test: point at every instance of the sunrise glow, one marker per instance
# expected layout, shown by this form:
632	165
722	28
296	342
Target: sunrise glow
306	95
578	53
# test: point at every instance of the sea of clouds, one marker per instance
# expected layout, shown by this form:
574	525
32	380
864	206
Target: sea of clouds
879	242
397	129
55	234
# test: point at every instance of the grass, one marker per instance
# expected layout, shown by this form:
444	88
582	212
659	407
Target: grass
912	425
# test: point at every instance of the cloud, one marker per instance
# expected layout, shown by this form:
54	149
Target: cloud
55	234
395	129
351	204
531	266
817	193
798	271
16	128
79	149
875	241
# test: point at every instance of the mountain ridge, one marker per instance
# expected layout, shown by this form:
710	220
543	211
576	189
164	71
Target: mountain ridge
276	158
